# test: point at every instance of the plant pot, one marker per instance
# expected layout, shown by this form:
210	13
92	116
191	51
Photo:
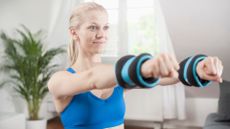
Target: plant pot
36	124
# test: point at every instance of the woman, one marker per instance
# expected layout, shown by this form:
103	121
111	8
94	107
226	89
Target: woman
87	95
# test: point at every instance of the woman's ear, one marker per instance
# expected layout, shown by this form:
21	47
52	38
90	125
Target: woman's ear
73	33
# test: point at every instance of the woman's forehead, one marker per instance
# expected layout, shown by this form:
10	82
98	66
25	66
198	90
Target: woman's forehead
94	14
96	17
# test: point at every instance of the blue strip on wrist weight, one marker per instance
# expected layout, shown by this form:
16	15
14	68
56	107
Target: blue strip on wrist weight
188	74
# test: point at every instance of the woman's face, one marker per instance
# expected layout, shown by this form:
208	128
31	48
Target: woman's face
92	33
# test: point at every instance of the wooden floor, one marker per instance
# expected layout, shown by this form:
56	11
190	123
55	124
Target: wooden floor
56	124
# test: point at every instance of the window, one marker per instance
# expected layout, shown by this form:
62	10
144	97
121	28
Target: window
141	27
132	27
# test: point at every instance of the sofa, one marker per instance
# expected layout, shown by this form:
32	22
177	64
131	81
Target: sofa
220	119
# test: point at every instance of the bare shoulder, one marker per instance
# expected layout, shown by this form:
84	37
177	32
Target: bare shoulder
59	74
57	78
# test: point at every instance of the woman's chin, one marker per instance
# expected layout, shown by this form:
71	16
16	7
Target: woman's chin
99	51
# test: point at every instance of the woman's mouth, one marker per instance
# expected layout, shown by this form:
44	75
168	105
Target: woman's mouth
98	42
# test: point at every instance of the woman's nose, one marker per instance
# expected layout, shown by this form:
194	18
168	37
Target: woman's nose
100	34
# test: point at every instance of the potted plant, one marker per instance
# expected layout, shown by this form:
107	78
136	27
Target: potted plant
28	66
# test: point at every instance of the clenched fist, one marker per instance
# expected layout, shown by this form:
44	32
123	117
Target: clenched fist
210	68
163	65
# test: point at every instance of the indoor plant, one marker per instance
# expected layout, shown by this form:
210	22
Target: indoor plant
28	66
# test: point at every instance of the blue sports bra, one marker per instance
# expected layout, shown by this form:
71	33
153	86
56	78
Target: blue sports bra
87	111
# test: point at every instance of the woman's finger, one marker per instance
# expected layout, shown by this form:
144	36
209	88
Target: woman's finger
174	62
156	68
163	68
209	63
168	63
219	67
216	65
205	76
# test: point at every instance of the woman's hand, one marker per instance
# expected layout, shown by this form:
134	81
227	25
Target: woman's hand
210	68
163	65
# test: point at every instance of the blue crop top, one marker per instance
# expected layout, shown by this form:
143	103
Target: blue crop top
87	111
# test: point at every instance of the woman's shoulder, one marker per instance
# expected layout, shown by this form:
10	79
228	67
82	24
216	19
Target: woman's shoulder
59	75
60	72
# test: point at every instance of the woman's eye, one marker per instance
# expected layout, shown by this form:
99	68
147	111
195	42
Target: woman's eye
106	27
92	27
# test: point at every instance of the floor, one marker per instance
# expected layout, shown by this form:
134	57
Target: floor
56	124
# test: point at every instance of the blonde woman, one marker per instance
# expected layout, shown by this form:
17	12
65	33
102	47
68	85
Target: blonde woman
89	94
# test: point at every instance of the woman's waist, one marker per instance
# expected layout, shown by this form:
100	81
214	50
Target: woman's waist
118	124
121	126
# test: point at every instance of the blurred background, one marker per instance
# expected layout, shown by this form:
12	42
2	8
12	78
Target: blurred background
180	27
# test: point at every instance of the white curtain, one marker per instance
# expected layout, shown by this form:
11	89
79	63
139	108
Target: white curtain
173	96
58	34
60	14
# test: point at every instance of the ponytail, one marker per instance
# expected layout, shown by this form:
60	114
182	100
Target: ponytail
72	52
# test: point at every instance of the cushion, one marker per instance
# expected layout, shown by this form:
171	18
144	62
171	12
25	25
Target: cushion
211	122
224	102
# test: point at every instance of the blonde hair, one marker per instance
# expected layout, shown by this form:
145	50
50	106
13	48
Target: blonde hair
76	19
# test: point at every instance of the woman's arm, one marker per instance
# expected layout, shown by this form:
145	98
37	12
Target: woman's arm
102	76
168	81
210	68
63	83
163	66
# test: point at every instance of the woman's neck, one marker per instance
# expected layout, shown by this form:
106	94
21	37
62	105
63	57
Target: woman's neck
85	62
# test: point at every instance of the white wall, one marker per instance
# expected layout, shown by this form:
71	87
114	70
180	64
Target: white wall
35	14
200	26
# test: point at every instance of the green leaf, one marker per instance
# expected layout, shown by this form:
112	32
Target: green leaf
28	65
